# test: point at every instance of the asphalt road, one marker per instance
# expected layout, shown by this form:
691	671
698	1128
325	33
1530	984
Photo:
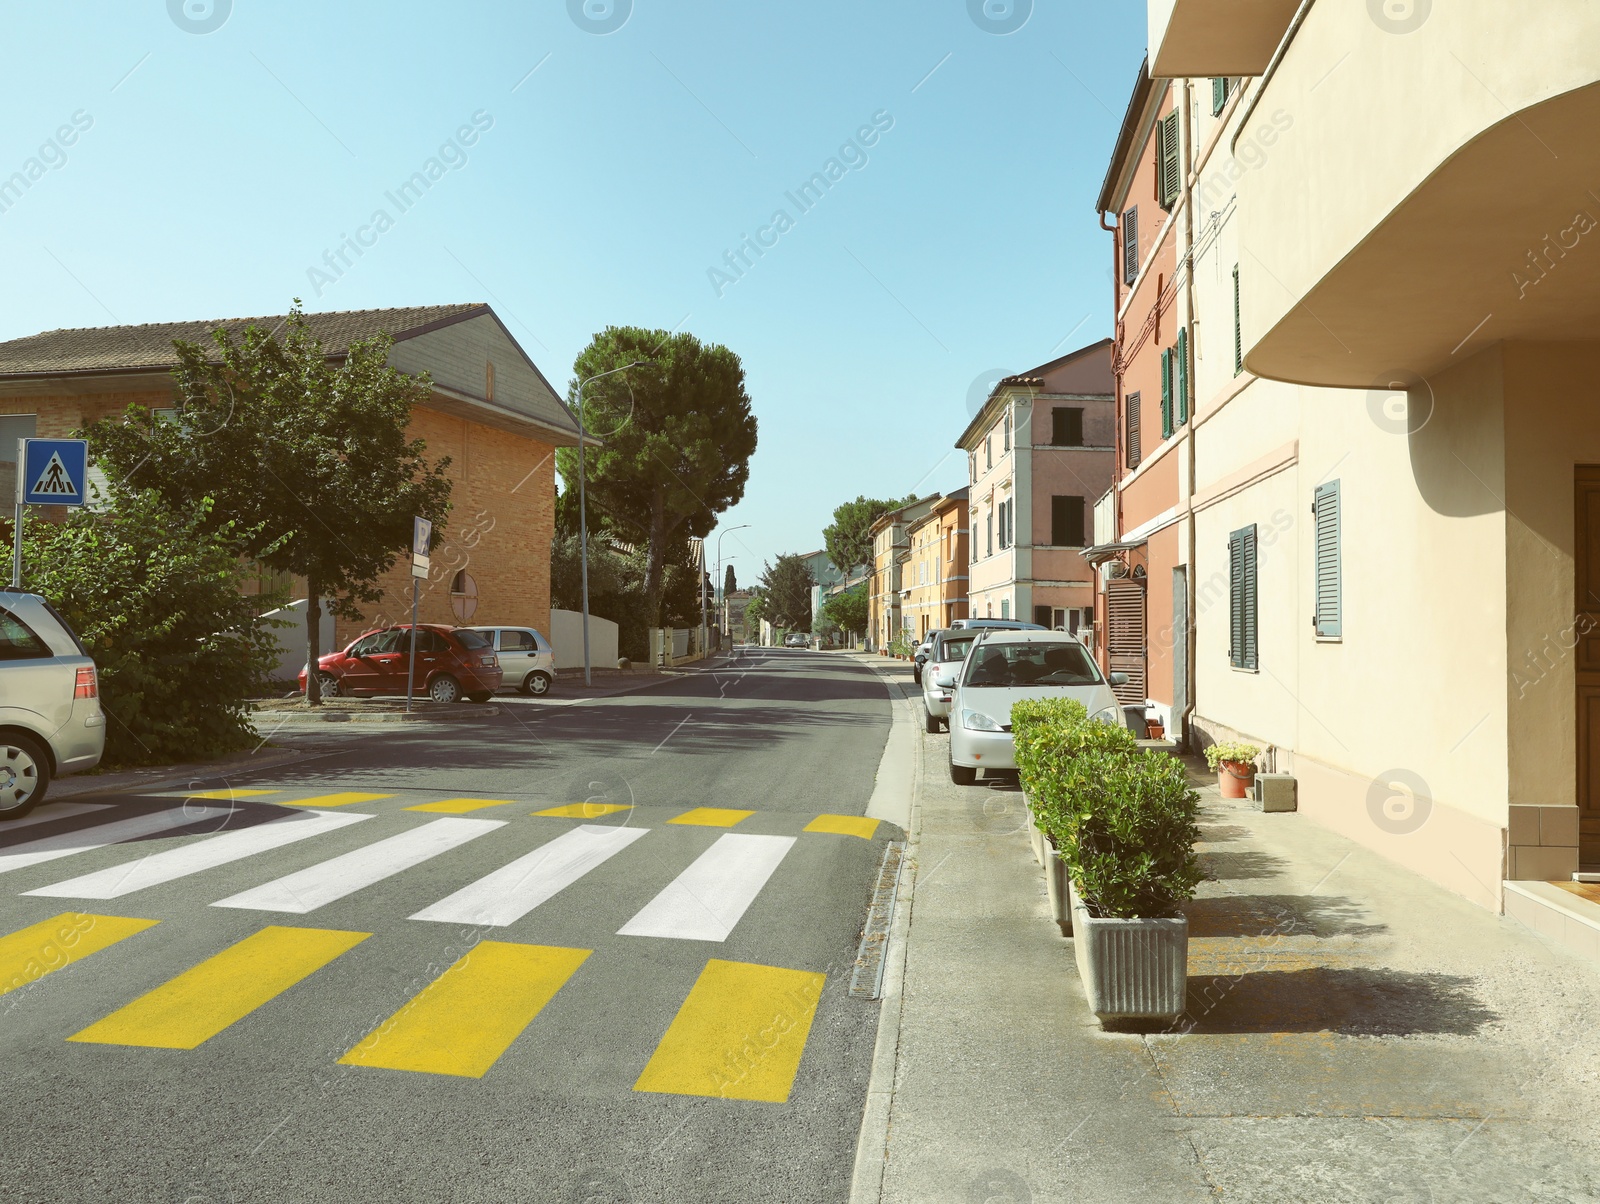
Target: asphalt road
477	1002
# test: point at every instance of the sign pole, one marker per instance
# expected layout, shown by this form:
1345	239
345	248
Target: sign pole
421	542
16	552
411	669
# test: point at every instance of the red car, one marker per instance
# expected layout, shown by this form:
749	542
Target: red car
452	663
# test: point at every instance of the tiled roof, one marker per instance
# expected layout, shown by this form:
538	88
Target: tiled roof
132	348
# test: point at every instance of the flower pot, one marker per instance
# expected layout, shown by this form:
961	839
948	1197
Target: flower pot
1131	969
1154	730
1236	778
1058	886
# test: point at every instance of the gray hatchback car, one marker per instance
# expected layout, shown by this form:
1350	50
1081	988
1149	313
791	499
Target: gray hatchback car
51	723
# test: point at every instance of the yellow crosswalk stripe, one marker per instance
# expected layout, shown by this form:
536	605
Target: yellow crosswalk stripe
739	1034
844	825
585	810
460	806
202	1001
231	793
28	954
467	1017
342	799
711	817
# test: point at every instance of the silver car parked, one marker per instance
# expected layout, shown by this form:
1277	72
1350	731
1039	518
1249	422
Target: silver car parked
526	658
949	650
51	723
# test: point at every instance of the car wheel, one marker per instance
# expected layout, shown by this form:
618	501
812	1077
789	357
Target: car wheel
962	775
480	696
444	688
536	684
931	722
329	685
916	674
24	775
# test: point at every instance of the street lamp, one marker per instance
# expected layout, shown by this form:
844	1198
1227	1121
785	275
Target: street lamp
583	514
723	610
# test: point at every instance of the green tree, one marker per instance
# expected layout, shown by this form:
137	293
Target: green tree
787	587
730	583
755	610
846	538
849	609
677	435
154	595
305	459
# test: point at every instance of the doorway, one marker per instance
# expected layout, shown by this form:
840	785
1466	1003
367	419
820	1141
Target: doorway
1586	666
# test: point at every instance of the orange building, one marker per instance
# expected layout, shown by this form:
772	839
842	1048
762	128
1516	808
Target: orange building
934	587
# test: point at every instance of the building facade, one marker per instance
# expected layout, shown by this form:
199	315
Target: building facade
890	553
1039	452
934	591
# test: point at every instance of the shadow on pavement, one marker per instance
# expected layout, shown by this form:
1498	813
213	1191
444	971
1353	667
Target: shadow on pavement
1277	915
1353	1002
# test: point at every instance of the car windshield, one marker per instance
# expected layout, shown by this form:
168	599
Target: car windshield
472	639
1026	665
955	649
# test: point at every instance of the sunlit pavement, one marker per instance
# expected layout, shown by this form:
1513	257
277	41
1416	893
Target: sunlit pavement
594	952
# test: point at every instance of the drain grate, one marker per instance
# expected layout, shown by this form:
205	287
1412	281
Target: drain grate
866	982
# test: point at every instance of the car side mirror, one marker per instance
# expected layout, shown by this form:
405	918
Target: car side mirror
945	681
1118	679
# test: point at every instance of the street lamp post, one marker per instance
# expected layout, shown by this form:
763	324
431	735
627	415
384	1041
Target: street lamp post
583	515
723	610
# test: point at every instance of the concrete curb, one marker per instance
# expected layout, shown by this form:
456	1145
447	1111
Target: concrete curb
306	719
167	777
872	1147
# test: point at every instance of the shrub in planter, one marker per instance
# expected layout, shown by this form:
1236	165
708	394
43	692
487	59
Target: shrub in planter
1235	766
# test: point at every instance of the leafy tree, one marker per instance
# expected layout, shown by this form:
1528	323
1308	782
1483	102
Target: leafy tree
154	595
755	610
849	609
305	459
787	587
677	435
730	583
846	538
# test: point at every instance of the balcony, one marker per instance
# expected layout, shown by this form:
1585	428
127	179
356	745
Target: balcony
1216	37
1422	191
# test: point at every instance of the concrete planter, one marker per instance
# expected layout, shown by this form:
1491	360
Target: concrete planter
1059	887
1131	969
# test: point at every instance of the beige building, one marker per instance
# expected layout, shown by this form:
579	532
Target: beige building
934	586
890	552
1391	481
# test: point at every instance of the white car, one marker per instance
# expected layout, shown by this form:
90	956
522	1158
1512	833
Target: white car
1004	667
948	651
527	661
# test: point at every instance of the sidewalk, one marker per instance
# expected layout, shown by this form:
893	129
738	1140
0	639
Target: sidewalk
1355	1033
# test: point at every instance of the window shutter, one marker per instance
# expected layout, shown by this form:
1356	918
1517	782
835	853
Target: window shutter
1182	356
1329	603
1130	245
1066	426
1169	180
1242	598
1066	522
1166	394
1130	406
1219	96
1238	327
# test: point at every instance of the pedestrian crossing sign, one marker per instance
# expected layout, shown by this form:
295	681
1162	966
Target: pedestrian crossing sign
54	472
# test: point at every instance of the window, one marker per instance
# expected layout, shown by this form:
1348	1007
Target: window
1180	355
1238	327
1066	522
1066	426
1005	608
1221	89
1012	666
1166	393
1169	177
988	543
1006	446
469	639
517	641
1325	516
1130	246
1242	598
1004	510
988	452
1130	407
18	642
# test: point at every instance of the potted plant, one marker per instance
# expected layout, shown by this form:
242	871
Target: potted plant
1128	845
1235	766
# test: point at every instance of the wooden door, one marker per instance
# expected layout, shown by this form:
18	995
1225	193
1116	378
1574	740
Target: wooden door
1125	636
1586	566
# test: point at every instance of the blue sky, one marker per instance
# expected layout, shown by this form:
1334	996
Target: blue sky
218	167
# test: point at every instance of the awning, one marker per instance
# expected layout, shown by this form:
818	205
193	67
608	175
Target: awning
1103	552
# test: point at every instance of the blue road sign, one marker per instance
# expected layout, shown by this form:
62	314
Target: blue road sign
55	472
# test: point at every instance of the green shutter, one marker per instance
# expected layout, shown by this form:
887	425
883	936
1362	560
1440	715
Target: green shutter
1166	394
1219	96
1182	354
1329	604
1238	326
1169	177
1131	407
1243	652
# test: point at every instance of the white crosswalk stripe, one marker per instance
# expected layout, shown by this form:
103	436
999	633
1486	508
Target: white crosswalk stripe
328	881
512	891
135	827
705	902
201	855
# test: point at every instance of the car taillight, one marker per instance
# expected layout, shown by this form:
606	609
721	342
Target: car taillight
489	662
87	684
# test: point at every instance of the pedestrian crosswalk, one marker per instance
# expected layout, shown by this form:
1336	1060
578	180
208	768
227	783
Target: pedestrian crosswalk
739	1033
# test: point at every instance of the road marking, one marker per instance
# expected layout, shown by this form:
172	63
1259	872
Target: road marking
514	890
343	799
467	1017
222	990
705	901
49	812
711	817
50	945
585	810
230	793
739	1034
317	885
135	827
844	825
172	864
460	806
